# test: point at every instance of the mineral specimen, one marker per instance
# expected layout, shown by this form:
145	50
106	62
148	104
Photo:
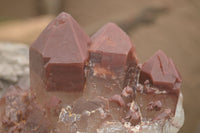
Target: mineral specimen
78	85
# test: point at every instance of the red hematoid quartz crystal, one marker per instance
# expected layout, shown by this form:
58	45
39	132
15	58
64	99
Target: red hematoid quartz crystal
161	72
83	85
59	55
111	47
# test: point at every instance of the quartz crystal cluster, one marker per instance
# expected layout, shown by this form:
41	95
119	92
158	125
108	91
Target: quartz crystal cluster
82	84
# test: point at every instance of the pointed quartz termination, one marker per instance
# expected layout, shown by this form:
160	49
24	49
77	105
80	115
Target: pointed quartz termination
59	55
158	91
161	72
112	53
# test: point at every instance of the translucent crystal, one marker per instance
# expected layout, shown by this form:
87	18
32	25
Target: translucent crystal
170	125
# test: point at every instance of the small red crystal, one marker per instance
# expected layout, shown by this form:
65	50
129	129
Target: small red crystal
161	72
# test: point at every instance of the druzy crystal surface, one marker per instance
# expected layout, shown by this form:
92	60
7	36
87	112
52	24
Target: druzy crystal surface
93	85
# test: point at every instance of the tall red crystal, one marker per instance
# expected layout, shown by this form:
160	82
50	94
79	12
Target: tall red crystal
59	54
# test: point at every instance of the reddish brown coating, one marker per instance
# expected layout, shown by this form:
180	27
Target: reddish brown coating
161	72
118	99
156	105
127	91
111	47
135	117
105	100
36	121
21	113
163	115
53	102
133	114
59	53
16	103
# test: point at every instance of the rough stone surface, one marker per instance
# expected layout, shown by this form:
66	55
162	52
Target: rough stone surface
14	64
20	112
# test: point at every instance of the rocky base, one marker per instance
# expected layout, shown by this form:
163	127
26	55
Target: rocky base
20	112
14	64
